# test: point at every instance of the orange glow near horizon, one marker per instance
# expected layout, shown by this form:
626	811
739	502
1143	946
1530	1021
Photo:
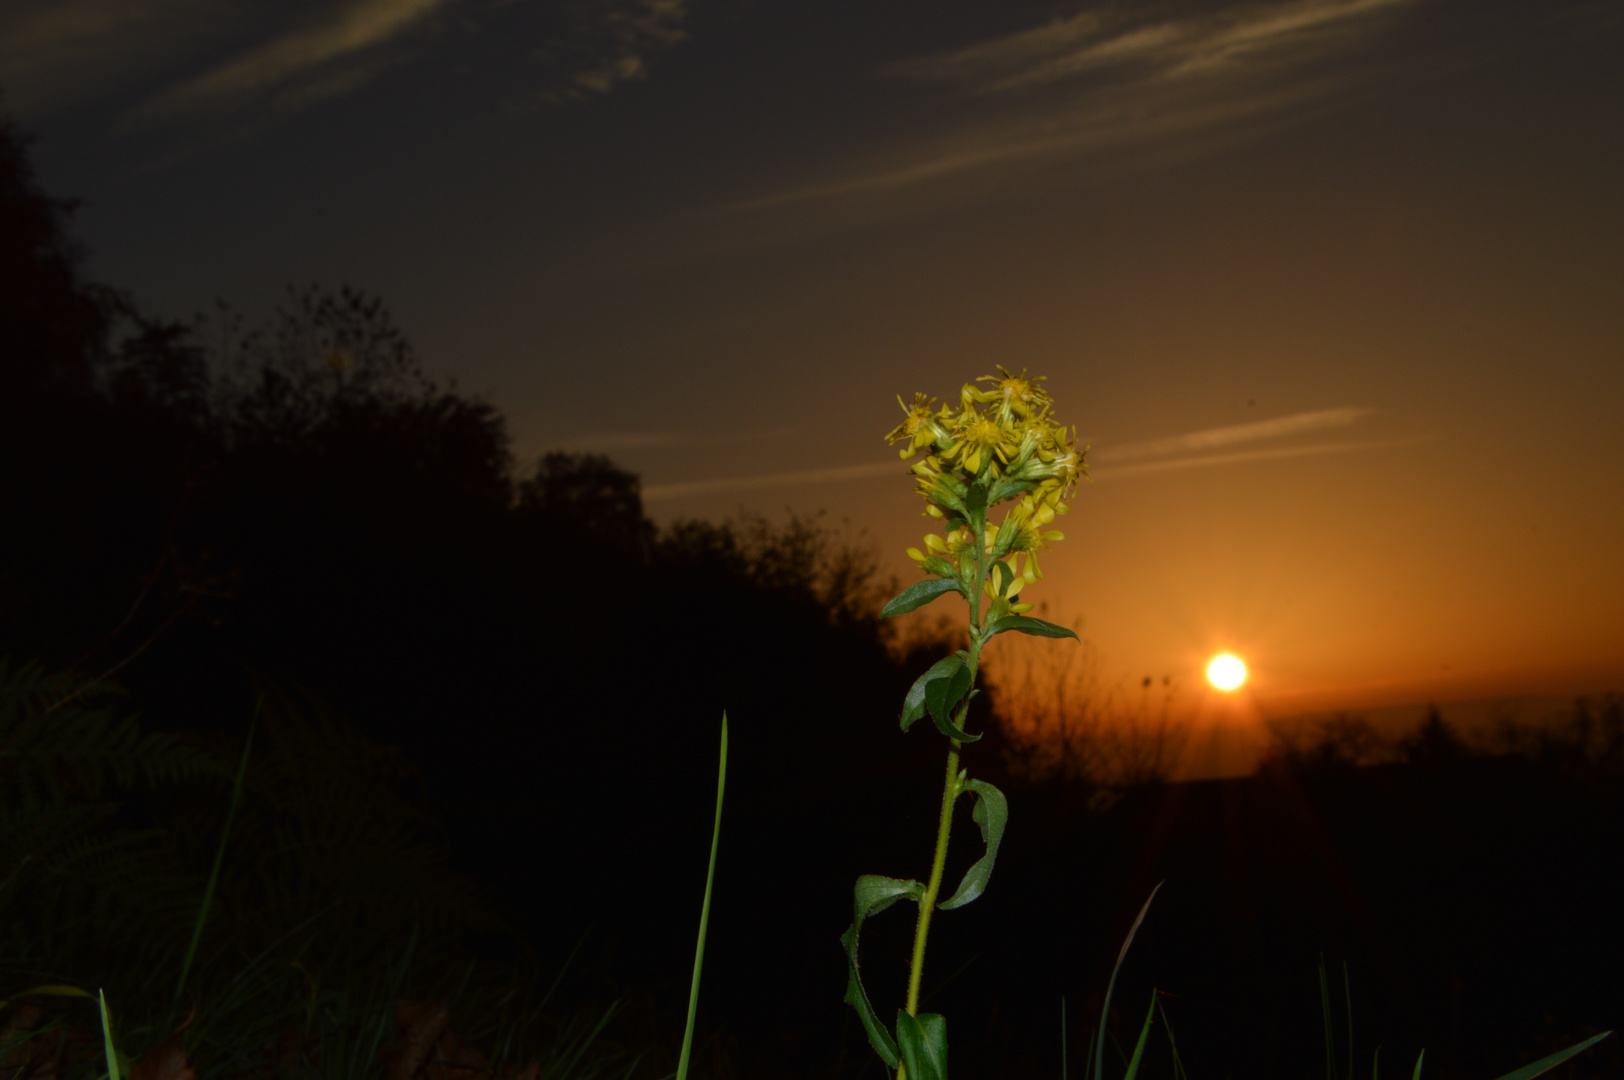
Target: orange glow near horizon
1226	672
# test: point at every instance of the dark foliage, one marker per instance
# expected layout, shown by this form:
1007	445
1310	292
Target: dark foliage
208	510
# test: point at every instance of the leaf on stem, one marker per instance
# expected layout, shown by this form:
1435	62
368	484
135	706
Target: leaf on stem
918	595
871	895
991	813
1028	625
923	1042
976	502
946	728
914	704
943	695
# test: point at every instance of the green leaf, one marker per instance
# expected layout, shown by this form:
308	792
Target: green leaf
975	502
1028	625
923	1041
946	728
1139	1047
918	595
1418	1059
943	694
1006	488
913	706
1544	1064
991	813
872	895
879	1038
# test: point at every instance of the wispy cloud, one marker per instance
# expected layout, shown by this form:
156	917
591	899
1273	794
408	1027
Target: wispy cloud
608	42
1191	450
331	55
1214	438
57	52
1241	457
603	441
669	492
210	56
1144	87
1157	50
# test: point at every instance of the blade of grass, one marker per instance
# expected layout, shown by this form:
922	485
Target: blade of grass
1545	1064
49	990
1325	1014
586	1044
386	1011
107	1038
214	873
1418	1059
1375	1064
1347	996
704	911
1178	1063
1105	1012
1144	1034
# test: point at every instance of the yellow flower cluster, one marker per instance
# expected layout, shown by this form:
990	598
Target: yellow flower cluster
1000	444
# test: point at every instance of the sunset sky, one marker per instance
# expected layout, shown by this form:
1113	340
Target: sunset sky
1334	288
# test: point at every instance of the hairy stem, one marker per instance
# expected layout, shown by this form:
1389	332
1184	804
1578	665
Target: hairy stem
952	788
927	903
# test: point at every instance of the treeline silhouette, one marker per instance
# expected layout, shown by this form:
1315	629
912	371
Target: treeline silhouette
212	512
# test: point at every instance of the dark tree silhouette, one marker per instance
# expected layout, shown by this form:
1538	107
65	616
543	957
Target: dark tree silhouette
590	500
1435	743
53	324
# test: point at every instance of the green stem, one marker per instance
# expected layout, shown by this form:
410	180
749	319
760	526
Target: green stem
952	788
927	903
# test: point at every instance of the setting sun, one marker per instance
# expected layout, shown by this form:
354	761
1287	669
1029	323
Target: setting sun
1226	671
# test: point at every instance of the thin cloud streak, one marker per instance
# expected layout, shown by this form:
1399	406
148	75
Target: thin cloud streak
647	440
1212	438
55	53
354	29
1163	51
1088	84
1121	472
1100	467
668	492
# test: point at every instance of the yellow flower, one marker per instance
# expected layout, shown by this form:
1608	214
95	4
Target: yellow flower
1017	580
977	440
1017	395
1029	518
921	428
942	491
1003	444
